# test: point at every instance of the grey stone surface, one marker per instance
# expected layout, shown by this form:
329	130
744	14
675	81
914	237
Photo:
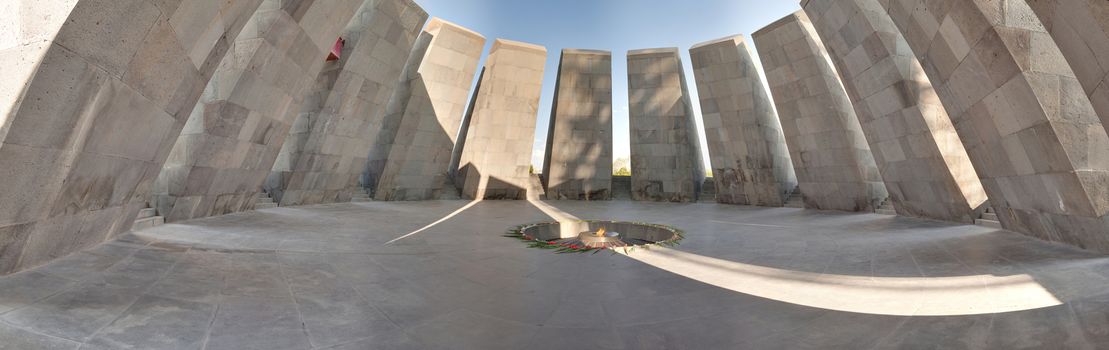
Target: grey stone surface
578	162
233	136
500	127
157	323
94	92
454	286
665	150
18	339
918	152
427	112
340	131
1028	127
1081	30
835	168
750	161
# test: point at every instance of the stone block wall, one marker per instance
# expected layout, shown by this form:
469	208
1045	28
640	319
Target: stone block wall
1081	30
1023	116
835	168
918	152
750	161
578	163
94	93
429	106
495	160
233	136
329	164
665	149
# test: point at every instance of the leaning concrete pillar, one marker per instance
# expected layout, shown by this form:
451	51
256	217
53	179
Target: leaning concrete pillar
747	149
1081	30
1029	129
916	148
835	168
233	136
578	163
428	106
338	135
496	156
92	95
665	150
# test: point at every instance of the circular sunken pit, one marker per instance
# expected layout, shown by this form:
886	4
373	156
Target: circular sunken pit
594	236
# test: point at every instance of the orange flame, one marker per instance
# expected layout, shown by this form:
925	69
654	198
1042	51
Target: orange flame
600	232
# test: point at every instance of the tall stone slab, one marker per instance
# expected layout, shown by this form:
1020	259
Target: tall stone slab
1027	125
496	157
750	161
429	106
665	149
333	149
835	168
233	135
917	150
578	163
1081	30
93	94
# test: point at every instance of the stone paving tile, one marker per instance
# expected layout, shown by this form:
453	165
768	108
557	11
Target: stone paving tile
80	265
76	313
1053	327
22	289
482	332
12	338
192	280
157	323
577	338
251	323
470	288
387	341
941	332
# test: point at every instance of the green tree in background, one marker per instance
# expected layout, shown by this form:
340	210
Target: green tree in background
623	171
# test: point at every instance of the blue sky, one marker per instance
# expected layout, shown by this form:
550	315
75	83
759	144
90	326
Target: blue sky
616	25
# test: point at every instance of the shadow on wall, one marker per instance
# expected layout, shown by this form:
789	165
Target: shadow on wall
584	178
420	153
476	185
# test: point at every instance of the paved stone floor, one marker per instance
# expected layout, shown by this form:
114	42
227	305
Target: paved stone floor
322	277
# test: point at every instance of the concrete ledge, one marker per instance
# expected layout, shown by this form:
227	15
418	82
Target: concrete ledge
436	23
796	16
517	44
656	51
586	52
733	40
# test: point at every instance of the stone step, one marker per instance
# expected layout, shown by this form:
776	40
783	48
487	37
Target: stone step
884	211
361	200
145	223
988	223
795	204
990	216
263	200
146	213
261	206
